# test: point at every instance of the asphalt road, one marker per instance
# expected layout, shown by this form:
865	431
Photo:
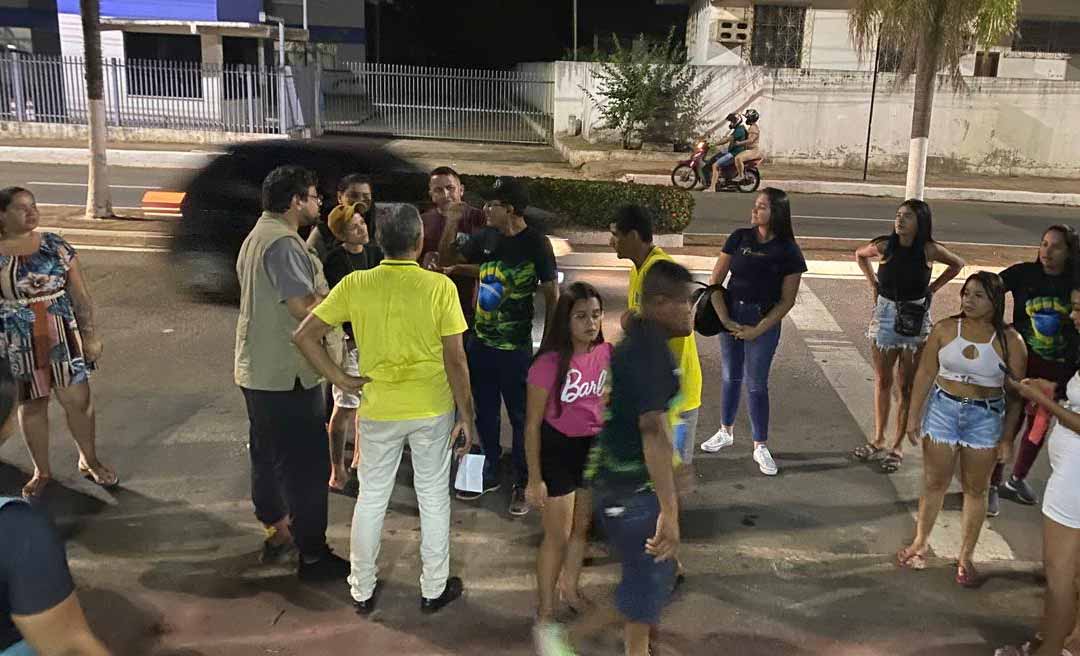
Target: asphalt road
815	215
797	564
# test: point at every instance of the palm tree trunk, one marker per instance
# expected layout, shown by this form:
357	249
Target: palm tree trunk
98	201
926	69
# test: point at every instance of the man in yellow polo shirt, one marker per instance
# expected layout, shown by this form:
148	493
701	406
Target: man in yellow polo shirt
407	323
631	237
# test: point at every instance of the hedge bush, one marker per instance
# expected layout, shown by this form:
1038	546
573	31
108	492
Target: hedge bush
581	204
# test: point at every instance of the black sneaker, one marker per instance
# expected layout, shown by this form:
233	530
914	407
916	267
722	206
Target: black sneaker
453	590
993	502
518	506
329	567
489	486
1022	491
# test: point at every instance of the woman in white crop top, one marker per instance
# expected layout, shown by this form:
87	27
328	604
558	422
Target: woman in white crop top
1061	511
960	385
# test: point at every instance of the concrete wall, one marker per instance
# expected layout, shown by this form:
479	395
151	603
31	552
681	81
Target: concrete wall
998	126
54	131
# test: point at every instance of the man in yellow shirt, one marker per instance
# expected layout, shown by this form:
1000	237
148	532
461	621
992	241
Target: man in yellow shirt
631	237
407	324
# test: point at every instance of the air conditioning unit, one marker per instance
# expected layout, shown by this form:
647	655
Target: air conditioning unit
730	32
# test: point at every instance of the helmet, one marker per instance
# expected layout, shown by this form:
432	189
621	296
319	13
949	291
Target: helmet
751	116
734	119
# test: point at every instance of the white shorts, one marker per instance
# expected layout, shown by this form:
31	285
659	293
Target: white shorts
343	399
1061	501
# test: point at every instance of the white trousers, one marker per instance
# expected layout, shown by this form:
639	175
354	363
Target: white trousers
381	445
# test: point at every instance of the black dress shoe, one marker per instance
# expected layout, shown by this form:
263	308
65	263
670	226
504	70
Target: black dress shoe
366	606
453	590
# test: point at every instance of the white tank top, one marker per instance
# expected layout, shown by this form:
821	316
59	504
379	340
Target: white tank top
984	370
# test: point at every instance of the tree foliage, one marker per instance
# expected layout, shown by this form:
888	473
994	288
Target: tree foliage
955	26
648	92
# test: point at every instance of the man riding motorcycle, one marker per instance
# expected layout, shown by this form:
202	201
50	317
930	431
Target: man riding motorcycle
750	150
738	135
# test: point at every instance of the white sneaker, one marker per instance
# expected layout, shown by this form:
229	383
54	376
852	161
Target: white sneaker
765	460
720	439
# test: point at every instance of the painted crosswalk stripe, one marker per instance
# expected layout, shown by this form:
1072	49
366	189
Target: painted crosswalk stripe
851	376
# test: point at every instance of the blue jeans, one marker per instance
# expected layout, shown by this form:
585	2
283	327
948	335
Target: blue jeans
496	374
750	362
628	520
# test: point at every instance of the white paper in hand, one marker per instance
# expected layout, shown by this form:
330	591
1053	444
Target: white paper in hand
470	473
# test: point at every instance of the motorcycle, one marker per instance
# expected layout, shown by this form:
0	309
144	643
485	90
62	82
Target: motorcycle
691	173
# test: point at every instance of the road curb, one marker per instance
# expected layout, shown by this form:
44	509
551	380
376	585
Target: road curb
893	191
703	264
158	159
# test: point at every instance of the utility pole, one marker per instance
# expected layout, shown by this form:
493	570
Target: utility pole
98	200
575	30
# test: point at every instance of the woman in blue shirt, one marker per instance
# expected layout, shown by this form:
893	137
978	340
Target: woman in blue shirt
766	268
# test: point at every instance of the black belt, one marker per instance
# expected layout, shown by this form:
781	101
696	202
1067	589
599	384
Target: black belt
982	403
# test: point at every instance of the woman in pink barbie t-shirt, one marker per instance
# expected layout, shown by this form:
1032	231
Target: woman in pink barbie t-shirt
563	414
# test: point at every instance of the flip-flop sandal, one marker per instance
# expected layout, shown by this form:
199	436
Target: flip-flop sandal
914	561
890	464
967	577
92	476
35	487
867	452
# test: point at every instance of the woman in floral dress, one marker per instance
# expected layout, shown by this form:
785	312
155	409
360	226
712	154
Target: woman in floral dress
48	336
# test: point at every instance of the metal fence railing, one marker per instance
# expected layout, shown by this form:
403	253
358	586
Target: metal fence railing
151	94
449	103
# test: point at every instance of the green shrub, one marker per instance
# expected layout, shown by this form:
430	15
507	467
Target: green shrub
579	204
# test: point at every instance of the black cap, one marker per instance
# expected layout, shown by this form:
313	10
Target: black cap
508	190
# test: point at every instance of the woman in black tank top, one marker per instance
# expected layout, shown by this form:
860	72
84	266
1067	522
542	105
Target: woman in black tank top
903	276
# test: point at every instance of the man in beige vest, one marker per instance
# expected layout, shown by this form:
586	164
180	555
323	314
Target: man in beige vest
280	282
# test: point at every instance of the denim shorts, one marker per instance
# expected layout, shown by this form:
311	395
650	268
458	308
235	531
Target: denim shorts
628	520
882	329
968	423
18	649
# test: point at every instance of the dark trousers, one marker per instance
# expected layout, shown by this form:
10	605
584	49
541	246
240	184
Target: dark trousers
1027	451
499	374
290	461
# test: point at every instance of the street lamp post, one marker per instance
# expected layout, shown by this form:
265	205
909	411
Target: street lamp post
281	67
873	96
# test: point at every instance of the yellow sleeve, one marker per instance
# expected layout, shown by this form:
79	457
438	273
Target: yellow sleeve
334	310
451	318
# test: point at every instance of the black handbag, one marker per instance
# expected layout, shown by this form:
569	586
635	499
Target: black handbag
910	316
706	321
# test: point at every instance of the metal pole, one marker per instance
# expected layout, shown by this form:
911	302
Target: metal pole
378	31
873	96
575	30
308	42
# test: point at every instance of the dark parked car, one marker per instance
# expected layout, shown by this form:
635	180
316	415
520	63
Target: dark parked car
222	201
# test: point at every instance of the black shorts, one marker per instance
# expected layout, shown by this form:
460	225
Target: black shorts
562	460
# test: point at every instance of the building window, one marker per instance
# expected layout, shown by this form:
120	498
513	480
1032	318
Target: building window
1047	36
164	65
776	38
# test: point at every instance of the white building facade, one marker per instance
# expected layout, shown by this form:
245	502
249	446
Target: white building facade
814	34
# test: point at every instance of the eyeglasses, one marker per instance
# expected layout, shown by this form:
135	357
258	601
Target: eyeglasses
315	197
